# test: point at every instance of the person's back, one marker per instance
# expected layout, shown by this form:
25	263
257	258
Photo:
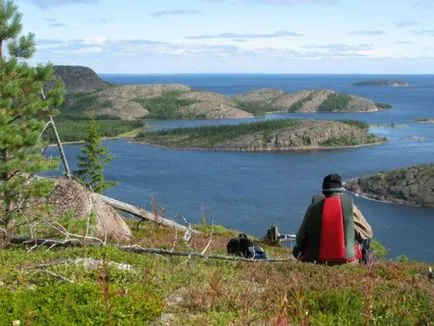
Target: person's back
330	227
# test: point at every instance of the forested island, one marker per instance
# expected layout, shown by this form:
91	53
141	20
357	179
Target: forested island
413	186
271	135
380	82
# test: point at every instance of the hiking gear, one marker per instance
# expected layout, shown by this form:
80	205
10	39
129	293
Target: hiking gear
332	183
331	233
246	248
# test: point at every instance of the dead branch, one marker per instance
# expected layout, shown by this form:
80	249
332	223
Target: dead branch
47	242
210	239
137	249
140	213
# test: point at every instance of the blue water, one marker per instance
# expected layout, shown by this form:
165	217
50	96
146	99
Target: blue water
251	191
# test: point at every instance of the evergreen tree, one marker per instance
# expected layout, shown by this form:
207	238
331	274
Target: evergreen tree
21	112
93	159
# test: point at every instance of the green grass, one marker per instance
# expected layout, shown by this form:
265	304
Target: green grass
166	106
75	130
205	292
335	102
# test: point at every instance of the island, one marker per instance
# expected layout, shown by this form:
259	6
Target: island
381	82
425	120
411	186
266	136
87	94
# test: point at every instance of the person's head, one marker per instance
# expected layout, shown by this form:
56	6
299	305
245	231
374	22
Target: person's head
332	184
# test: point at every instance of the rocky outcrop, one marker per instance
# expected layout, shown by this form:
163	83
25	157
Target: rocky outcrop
304	135
70	197
277	135
78	78
211	106
88	94
412	186
307	101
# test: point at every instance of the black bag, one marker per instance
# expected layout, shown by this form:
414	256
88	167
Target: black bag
246	248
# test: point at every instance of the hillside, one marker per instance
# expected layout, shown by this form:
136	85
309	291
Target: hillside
88	94
323	100
271	135
115	286
78	78
413	186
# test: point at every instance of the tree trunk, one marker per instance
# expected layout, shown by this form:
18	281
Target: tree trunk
128	208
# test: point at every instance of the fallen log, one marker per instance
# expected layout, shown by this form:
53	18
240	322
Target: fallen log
140	213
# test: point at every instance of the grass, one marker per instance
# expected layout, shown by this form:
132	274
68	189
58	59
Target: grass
166	106
205	292
335	102
75	130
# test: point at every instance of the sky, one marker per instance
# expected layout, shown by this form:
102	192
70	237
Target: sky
234	36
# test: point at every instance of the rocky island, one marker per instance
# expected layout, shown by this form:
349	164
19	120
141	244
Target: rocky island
271	135
87	93
413	186
379	82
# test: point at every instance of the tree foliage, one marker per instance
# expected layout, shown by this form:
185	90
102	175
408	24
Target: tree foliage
93	159
22	110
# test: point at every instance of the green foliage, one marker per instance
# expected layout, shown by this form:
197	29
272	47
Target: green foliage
355	123
78	106
93	159
22	110
383	106
257	108
402	258
299	104
166	106
335	102
211	135
74	130
379	250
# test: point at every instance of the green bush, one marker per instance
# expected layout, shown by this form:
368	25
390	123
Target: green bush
335	102
166	106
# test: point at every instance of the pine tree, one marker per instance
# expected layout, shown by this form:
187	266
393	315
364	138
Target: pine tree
21	112
93	159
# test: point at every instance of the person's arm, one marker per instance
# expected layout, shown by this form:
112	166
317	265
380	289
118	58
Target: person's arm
361	226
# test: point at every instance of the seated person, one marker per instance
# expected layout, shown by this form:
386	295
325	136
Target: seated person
333	230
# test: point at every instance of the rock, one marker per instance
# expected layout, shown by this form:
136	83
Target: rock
267	95
78	78
71	197
412	186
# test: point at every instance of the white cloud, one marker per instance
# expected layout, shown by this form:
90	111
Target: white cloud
46	4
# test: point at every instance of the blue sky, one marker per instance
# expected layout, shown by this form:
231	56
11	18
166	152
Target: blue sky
234	36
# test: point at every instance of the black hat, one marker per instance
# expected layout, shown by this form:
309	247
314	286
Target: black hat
332	183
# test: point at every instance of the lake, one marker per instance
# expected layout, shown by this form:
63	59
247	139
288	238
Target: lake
251	191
